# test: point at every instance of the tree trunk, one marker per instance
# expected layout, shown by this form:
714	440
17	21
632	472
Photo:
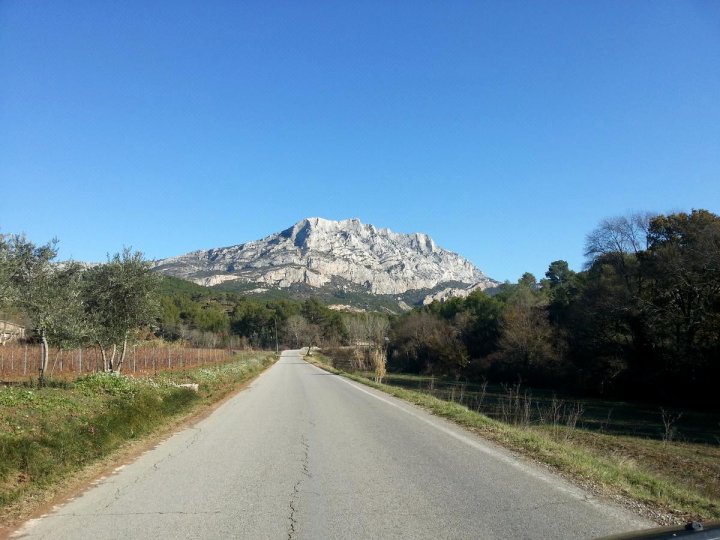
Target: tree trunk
122	353
103	355
43	358
111	365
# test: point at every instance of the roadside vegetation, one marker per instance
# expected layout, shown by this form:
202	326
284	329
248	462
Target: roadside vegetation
89	364
64	318
639	323
49	432
668	481
608	374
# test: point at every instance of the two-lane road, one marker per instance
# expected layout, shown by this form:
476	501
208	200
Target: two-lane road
305	454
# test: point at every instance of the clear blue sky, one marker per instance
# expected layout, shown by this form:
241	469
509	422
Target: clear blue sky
505	130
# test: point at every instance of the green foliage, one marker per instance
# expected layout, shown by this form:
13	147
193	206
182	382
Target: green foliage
254	321
119	297
528	280
169	285
684	265
67	306
110	384
422	342
647	319
640	322
329	321
225	317
48	294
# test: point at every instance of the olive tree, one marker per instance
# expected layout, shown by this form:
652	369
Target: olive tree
48	293
120	297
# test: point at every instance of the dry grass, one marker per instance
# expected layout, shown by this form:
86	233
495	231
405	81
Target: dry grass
695	467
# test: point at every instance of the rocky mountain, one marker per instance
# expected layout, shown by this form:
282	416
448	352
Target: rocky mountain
337	256
452	292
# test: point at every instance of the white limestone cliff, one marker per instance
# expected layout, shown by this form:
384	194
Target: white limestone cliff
318	252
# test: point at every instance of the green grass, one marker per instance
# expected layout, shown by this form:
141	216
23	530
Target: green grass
48	433
670	494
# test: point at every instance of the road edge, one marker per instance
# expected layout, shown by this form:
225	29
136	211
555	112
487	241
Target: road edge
497	434
85	478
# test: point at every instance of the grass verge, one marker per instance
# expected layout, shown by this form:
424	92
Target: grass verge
576	456
50	434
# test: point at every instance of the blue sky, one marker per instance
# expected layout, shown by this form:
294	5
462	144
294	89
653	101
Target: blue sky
505	130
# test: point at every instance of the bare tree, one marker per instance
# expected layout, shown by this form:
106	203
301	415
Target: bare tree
622	235
618	241
368	336
312	334
433	345
355	328
377	327
295	327
379	360
526	335
669	420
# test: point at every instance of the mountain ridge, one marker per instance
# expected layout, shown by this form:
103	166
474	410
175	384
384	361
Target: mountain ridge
345	255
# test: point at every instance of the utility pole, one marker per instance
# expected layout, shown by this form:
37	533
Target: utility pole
277	347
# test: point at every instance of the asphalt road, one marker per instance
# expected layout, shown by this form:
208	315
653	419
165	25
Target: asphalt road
304	454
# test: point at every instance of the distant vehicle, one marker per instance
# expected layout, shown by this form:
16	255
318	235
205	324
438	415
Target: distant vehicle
694	531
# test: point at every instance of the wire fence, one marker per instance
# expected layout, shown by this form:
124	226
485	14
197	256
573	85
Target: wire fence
21	361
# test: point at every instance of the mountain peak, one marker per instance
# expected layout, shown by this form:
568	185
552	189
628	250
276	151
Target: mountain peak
344	255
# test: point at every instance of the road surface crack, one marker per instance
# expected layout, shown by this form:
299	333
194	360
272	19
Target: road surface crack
188	444
155	467
305	473
306	456
293	521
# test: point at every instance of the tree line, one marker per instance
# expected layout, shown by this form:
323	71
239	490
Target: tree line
641	321
209	318
66	305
